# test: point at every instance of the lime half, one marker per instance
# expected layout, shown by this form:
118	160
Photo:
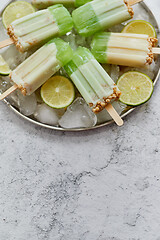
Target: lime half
15	11
4	68
136	88
58	92
140	27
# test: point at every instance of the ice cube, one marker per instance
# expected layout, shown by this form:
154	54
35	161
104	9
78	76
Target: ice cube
116	28
104	116
70	37
80	40
13	57
48	115
149	70
38	95
4	83
154	67
114	73
78	115
3	32
107	68
27	104
62	72
140	13
13	99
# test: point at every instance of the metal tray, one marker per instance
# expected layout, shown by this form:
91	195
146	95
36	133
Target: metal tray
125	113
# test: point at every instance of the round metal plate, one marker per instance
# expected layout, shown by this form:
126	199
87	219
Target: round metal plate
125	113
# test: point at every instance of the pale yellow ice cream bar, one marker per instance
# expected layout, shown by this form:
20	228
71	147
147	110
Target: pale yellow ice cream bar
39	27
41	65
99	15
92	81
134	50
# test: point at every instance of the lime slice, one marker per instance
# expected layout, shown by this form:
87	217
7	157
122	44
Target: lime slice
15	11
4	68
140	27
136	88
58	92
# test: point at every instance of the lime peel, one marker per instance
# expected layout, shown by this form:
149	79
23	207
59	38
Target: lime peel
140	27
16	10
4	67
136	88
58	92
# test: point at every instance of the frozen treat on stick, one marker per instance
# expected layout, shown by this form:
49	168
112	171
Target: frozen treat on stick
134	50
39	27
41	4
39	67
100	14
92	81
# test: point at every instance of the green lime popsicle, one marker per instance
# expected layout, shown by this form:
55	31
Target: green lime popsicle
37	28
41	4
41	65
99	15
92	81
128	49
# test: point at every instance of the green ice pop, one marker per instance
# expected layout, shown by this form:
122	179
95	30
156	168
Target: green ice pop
37	28
92	81
41	4
41	65
99	15
126	49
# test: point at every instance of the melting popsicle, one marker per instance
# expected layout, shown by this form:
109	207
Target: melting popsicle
100	14
134	50
40	66
92	81
41	4
39	27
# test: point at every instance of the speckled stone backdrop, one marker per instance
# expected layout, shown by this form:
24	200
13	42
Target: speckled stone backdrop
97	185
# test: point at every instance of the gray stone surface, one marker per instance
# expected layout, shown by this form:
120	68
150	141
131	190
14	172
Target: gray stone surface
96	185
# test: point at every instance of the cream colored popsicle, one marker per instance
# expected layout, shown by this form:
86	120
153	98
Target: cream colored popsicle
92	81
37	28
126	49
41	65
99	15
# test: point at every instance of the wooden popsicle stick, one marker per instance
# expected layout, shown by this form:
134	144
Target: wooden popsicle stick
113	113
6	43
156	50
132	2
8	92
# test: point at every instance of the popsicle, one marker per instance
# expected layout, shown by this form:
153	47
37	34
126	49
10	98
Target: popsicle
92	81
41	4
134	50
100	14
39	27
40	66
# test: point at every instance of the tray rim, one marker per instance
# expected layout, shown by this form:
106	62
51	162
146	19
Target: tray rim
89	128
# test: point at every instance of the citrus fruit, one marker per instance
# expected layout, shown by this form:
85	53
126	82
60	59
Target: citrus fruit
4	68
140	27
136	88
15	11
58	92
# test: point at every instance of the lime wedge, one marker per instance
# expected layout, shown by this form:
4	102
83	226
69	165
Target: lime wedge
58	92
4	68
15	11
140	27
136	88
